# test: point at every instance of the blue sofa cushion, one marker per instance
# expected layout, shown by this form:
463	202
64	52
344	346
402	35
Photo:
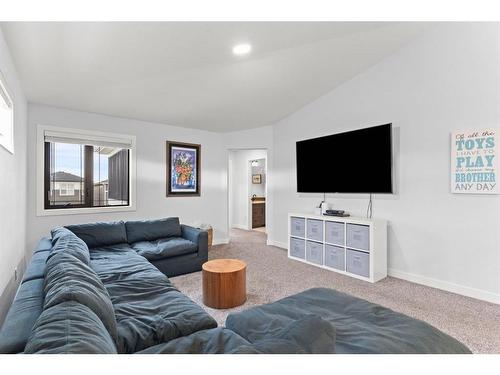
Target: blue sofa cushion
100	234
295	338
218	340
361	327
57	233
45	244
36	267
149	309
164	248
21	317
68	279
69	328
308	335
65	241
150	230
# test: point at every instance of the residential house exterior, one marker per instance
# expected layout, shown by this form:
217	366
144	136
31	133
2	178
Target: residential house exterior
66	188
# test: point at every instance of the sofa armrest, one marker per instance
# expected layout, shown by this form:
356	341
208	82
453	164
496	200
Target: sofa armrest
198	236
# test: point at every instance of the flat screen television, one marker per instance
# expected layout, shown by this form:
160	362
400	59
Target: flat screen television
358	161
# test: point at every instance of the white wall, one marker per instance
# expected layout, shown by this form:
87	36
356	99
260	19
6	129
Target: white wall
151	185
211	207
13	184
447	80
240	186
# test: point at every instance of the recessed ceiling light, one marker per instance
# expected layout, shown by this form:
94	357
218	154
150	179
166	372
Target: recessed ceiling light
242	49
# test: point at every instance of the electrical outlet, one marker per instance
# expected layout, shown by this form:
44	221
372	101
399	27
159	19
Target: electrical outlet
15	274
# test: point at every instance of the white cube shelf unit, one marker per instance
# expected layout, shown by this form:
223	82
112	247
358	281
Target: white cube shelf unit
351	246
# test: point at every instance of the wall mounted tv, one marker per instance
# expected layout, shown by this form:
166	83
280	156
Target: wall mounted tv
358	161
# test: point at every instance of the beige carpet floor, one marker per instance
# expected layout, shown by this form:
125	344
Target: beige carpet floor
260	229
271	276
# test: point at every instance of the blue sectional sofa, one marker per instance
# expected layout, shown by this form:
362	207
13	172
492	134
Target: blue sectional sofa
174	248
114	265
103	288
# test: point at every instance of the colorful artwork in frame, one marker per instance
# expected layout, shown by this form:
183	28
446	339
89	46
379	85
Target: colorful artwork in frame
183	169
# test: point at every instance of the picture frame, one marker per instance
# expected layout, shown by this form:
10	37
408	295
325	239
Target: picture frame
183	169
256	179
474	166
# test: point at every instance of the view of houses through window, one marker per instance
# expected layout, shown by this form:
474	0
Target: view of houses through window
78	175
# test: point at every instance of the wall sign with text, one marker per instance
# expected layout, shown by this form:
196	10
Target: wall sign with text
474	164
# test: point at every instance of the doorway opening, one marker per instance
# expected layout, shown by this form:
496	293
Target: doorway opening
247	189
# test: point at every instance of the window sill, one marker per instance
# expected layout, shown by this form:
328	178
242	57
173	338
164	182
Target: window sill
84	211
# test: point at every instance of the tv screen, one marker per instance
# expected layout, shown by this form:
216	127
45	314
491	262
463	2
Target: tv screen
358	161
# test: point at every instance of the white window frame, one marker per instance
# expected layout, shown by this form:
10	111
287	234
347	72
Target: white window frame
89	134
7	137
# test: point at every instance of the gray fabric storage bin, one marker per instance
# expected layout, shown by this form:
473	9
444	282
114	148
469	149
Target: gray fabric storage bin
334	233
314	252
335	257
315	229
358	263
298	226
297	248
358	236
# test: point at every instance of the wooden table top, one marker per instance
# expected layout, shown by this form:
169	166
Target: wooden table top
224	265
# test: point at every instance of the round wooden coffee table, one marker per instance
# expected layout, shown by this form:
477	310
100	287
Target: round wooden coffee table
224	283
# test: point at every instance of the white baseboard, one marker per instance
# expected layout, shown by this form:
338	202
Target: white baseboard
445	285
283	245
240	226
220	241
431	282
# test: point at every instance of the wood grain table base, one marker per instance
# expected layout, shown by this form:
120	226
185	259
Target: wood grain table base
224	283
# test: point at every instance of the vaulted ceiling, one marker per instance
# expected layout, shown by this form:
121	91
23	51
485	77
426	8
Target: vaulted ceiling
185	73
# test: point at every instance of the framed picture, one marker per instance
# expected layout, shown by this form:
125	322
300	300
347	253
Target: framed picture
183	169
474	168
256	179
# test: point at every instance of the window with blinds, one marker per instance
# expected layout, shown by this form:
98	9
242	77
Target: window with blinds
6	118
82	170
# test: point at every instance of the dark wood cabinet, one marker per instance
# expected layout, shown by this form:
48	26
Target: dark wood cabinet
258	215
